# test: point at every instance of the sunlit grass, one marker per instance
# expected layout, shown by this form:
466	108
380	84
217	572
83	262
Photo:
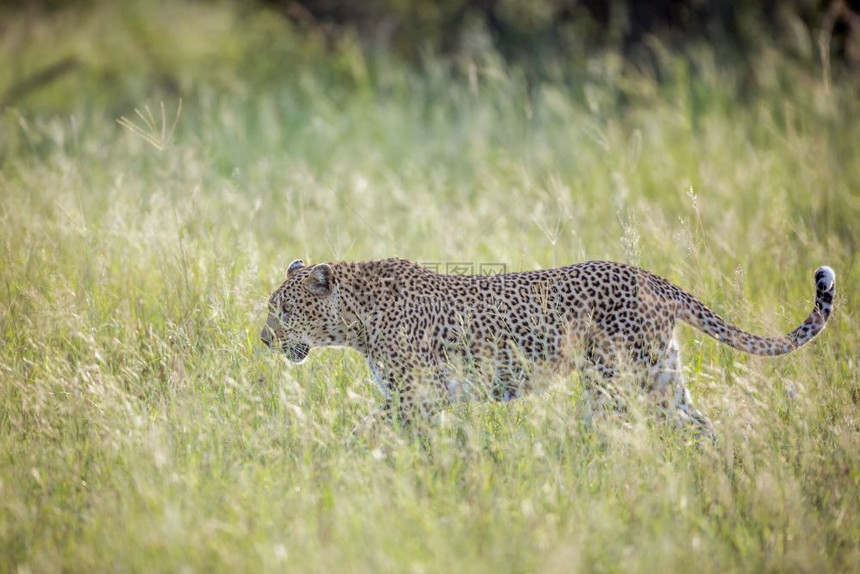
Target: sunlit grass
143	426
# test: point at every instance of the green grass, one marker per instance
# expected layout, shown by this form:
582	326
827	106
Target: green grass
144	428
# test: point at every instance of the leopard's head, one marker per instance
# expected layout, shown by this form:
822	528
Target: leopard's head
302	311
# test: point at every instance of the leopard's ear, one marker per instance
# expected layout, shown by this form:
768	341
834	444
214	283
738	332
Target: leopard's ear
319	280
295	266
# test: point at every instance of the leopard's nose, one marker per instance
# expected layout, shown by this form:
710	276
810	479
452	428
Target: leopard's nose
266	336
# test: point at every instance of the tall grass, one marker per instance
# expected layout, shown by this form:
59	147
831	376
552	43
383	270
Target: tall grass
143	427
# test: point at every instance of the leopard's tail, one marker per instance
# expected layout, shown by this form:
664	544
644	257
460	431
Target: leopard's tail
699	316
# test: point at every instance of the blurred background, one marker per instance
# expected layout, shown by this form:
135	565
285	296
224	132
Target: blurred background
413	97
121	48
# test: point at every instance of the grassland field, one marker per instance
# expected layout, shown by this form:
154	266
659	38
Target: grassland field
143	427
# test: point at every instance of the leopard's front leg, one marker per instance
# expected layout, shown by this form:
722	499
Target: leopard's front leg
411	393
368	423
383	412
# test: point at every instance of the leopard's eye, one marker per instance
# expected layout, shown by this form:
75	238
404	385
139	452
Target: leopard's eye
284	314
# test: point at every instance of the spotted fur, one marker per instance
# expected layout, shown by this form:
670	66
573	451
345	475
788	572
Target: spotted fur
431	338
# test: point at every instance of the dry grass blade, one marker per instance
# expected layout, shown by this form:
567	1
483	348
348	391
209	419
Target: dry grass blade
149	131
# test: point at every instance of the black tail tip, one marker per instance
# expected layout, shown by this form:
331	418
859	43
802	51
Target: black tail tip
825	279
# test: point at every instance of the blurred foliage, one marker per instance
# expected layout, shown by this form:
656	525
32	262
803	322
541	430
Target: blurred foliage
530	30
152	47
522	28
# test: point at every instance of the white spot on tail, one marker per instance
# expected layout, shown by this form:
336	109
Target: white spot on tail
825	278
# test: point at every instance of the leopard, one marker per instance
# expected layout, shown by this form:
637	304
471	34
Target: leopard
432	339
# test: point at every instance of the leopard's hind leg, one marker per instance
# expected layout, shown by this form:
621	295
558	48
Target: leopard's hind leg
599	375
670	393
601	396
